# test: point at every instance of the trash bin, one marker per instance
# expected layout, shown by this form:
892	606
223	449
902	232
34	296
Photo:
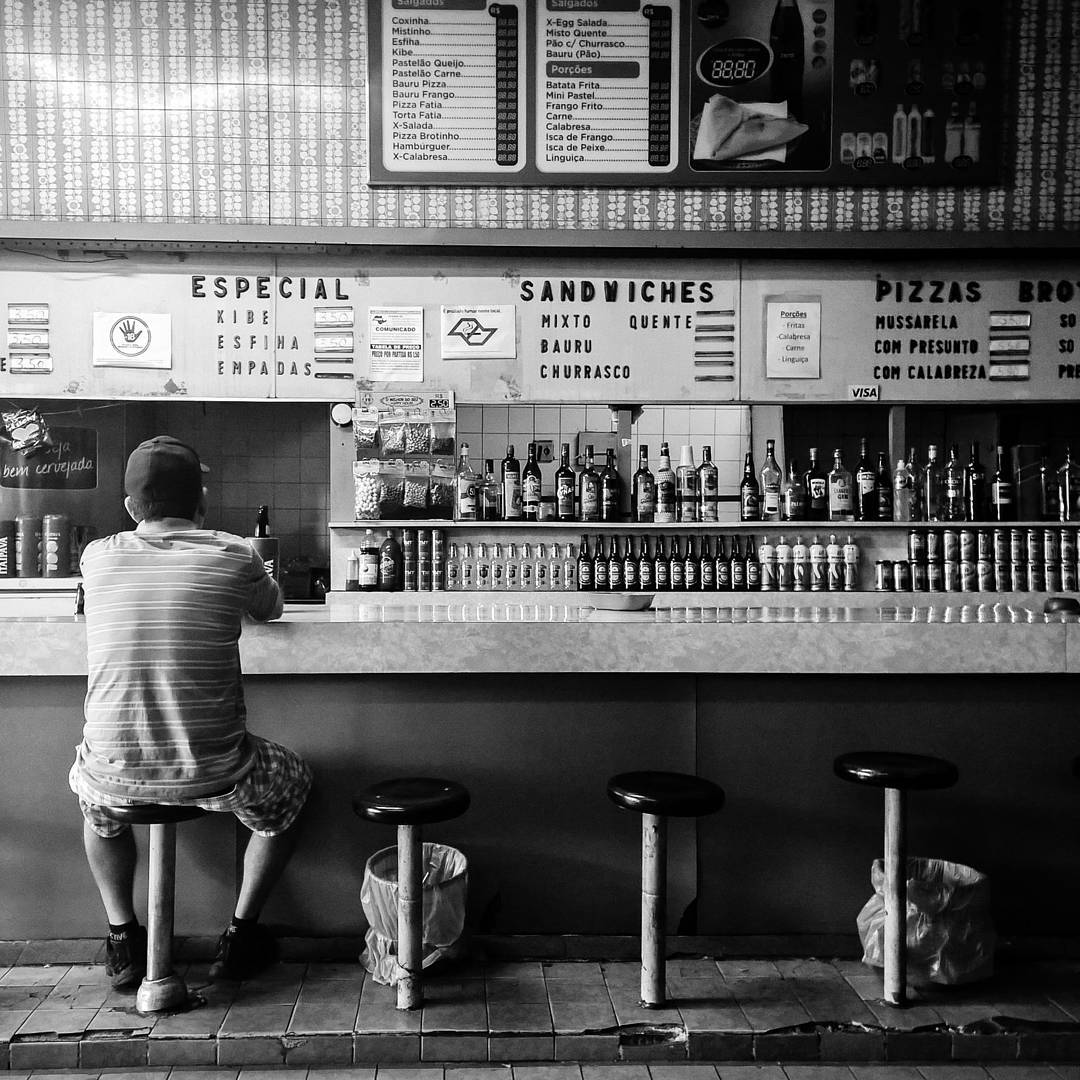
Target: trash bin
445	886
950	935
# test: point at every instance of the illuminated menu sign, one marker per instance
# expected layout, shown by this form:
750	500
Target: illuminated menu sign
556	92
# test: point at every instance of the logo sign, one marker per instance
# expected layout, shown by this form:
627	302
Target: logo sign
864	393
130	336
479	333
132	339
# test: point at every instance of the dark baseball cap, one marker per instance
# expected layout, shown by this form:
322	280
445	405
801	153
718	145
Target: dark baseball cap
163	469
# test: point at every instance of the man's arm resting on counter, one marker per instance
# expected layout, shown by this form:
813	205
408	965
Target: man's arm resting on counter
266	601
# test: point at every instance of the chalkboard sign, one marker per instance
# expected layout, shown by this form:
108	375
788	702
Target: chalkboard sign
70	464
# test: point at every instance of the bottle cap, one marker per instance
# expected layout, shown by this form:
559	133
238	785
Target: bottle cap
686	456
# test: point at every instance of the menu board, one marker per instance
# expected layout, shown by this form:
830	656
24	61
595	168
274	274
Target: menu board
850	92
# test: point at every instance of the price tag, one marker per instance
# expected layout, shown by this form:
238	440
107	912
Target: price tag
30	363
28	339
329	342
333	316
34	314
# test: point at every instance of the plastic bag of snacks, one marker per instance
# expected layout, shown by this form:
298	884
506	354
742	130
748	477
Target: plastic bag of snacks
392	434
367	489
392	488
417	482
441	497
442	435
365	430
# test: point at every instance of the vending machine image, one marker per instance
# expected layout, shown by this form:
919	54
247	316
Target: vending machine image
761	85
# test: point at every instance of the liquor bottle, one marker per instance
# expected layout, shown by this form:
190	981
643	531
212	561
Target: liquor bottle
686	486
531	485
691	563
884	488
793	496
953	506
749	492
975	486
706	566
645	568
851	565
708	487
737	566
468	569
267	547
723	567
555	569
818	566
918	506
840	500
540	568
584	566
565	487
676	567
834	565
930	487
390	564
785	567
498	568
751	567
483	568
600	566
630	565
771	478
1049	501
526	567
367	574
589	490
512	573
615	565
569	569
511	485
866	500
903	489
665	487
644	489
609	489
490	492
468	485
1068	485
453	569
767	559
787	40
661	567
816	485
1002	491
800	565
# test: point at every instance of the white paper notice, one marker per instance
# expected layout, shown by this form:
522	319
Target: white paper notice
130	340
793	339
396	343
478	333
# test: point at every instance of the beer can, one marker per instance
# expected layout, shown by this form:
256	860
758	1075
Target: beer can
424	577
920	577
1002	576
7	548
55	545
984	545
951	544
1016	545
1053	577
28	545
935	576
952	575
409	541
1068	545
1000	541
968	551
1034	546
438	571
916	546
1051	546
1017	577
968	576
902	576
984	575
410	577
423	545
438	541
883	576
933	546
1069	578
1036	577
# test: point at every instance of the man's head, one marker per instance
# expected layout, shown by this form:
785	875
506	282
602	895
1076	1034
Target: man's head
164	478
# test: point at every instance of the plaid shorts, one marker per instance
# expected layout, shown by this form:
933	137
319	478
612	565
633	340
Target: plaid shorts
267	800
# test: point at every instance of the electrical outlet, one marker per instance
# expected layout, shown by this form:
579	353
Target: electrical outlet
545	451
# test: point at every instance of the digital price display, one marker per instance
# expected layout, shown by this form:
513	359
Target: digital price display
734	62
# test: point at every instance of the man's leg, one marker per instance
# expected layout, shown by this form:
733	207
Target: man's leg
112	864
264	860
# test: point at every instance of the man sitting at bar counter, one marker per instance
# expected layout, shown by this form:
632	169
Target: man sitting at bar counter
164	710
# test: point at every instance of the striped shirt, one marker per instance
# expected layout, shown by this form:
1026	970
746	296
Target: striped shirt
164	706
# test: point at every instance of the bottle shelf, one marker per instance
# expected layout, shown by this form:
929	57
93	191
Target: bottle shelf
691	526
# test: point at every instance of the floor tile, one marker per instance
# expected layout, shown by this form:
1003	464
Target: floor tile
517	991
747	969
523	1019
324	1017
521	1048
547	1072
256	1020
575	971
378	1019
34	975
573	1016
43	1021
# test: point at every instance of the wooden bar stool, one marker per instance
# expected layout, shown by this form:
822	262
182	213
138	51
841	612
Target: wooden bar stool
408	803
897	774
162	988
658	796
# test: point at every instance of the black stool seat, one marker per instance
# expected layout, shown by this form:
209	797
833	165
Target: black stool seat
154	813
887	769
412	800
665	794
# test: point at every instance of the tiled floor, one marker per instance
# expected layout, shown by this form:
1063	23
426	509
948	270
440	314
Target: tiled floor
323	1015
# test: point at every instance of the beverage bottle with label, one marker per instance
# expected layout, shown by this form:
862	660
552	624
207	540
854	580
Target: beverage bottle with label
800	565
793	495
676	567
630	565
884	488
787	39
368	570
834	565
840	494
468	569
708	487
352	571
723	567
531	485
511	485
785	566
661	567
749	491
453	569
589	490
1068	485
526	568
691	563
600	566
540	568
903	488
555	569
1002	490
975	486
866	498
512	573
771	479
483	568
953	507
1049	501
930	488
565	487
646	567
737	566
490	494
818	566
686	486
569	569
584	565
918	506
468	488
610	489
390	564
816	485
767	561
498	568
706	566
666	484
751	567
615	566
267	547
851	565
644	489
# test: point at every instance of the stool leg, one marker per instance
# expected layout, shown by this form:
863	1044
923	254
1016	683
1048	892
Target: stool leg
653	908
895	897
161	989
410	917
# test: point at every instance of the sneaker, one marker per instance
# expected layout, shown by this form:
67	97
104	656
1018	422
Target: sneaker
243	953
125	959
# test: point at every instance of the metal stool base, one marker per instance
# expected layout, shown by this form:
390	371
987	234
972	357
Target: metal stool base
158	995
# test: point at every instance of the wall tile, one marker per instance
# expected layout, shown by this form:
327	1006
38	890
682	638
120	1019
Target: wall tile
471	417
521	420
651	421
571	421
702	421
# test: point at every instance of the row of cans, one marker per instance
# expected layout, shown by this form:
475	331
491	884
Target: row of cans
980	575
1050	546
36	546
423	560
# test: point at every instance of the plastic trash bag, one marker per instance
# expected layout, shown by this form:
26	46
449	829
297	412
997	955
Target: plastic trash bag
445	886
950	935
